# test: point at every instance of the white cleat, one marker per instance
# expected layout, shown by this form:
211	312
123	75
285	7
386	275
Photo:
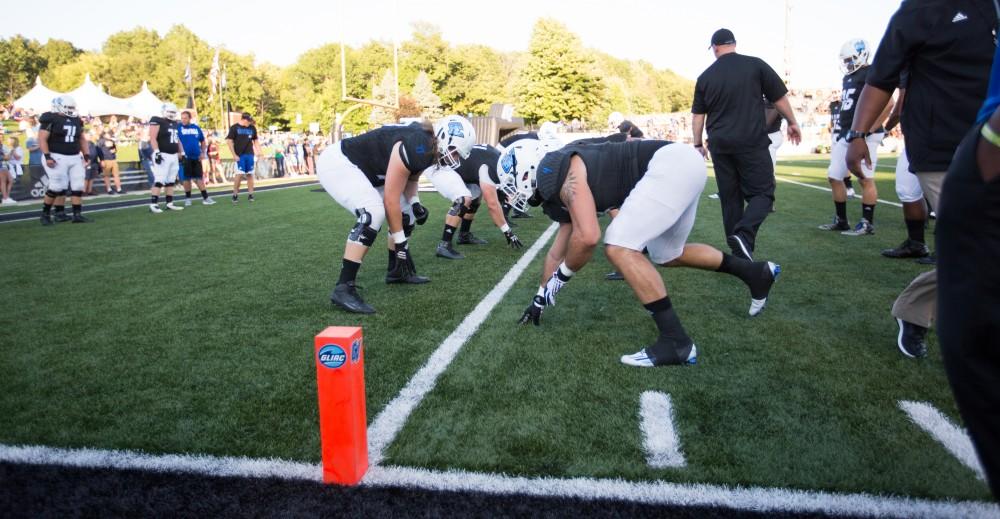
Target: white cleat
173	207
187	202
757	305
155	208
639	359
208	201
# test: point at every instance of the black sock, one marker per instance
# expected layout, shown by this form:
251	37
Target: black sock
187	194
915	230
77	209
47	209
673	345
868	212
60	209
204	194
349	271
392	260
236	197
841	211
448	234
753	273
466	225
155	199
848	183
170	199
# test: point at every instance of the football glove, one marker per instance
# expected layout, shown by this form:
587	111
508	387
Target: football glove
420	213
553	287
402	253
513	240
158	158
533	314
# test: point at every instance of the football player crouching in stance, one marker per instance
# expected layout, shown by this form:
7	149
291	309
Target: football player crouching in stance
657	185
373	175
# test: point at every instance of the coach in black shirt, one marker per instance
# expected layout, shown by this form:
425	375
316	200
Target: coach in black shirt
729	93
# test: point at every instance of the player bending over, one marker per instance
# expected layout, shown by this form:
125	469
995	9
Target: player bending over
657	185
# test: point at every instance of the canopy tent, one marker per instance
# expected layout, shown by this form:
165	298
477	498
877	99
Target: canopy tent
91	100
38	99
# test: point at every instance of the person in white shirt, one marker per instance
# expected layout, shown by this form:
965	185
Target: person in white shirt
10	169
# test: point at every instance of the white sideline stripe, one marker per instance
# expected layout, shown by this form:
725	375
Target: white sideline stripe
659	437
951	436
390	421
654	493
828	190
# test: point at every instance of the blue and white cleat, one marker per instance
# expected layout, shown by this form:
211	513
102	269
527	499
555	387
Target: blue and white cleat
757	305
640	359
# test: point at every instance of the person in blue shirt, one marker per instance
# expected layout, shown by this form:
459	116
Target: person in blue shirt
193	141
243	144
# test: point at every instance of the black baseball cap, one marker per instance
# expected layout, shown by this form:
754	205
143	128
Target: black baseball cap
247	116
723	37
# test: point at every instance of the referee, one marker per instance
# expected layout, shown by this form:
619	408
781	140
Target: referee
730	94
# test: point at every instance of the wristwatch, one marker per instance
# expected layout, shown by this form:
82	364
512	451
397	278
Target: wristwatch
854	134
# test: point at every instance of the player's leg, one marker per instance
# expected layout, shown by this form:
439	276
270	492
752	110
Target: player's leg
77	173
450	185
914	212
172	167
237	180
465	236
248	167
836	174
55	197
187	188
869	192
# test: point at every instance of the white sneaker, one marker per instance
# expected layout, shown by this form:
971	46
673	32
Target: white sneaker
155	208
850	193
9	201
207	201
173	207
757	305
187	202
639	359
714	197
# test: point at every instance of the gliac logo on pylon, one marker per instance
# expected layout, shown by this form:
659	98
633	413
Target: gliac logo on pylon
355	351
332	356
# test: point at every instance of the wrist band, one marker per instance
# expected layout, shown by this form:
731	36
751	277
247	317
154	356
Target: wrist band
398	237
505	228
48	156
990	135
699	146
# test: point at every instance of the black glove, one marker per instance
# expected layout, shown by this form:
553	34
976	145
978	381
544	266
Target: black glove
402	253
158	158
533	313
420	213
513	240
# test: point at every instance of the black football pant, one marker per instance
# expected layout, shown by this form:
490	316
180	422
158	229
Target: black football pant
746	191
968	325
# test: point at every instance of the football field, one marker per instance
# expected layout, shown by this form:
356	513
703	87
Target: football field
191	334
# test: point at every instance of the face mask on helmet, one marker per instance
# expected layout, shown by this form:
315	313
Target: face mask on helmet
169	111
64	105
517	170
455	139
853	56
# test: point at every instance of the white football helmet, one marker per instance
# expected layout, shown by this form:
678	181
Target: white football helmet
455	139
169	111
518	168
547	131
64	105
615	119
854	55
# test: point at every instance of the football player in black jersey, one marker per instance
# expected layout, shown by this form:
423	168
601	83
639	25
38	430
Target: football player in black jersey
854	61
657	185
466	187
167	153
373	176
61	140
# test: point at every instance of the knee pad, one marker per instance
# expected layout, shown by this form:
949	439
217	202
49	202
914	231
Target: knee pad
76	193
53	194
363	233
158	184
458	208
474	206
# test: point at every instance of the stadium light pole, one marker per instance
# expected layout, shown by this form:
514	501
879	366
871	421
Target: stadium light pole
788	42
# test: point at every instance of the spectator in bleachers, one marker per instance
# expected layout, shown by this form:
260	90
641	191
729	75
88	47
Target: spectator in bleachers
6	182
214	163
109	165
146	155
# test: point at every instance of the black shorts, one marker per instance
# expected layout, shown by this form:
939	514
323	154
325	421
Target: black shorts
192	169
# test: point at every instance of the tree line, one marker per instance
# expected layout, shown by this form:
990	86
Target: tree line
556	79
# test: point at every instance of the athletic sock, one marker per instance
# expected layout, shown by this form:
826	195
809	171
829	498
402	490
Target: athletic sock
848	183
170	199
915	230
392	260
466	225
448	234
841	211
673	344
868	212
236	197
155	199
77	209
204	194
187	194
756	274
60	209
46	209
349	271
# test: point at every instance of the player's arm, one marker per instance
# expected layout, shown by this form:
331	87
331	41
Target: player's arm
784	107
555	256
256	145
897	111
576	196
698	130
43	146
871	105
154	131
396	177
204	147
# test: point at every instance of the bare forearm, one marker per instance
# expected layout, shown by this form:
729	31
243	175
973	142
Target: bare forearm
785	109
698	124
871	106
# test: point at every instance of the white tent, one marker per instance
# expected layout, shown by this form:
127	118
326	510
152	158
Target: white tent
38	99
92	101
143	105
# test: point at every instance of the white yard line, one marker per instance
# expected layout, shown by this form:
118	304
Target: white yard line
390	421
951	436
659	436
828	190
655	493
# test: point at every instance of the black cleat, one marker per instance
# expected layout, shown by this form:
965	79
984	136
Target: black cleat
519	214
345	295
445	250
614	275
79	218
62	217
908	249
930	259
911	339
467	238
404	276
836	225
739	247
46	219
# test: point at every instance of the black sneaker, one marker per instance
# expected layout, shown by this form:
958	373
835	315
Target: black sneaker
345	295
467	238
121	191
445	250
614	275
930	259
911	339
46	219
908	249
79	218
519	214
404	275
836	225
62	217
739	247
250	198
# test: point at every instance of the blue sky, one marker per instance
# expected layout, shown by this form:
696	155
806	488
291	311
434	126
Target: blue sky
668	33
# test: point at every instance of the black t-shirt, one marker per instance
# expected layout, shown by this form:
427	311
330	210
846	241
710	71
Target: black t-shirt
371	151
849	95
242	137
481	155
834	115
166	137
772	119
730	92
613	169
64	132
507	141
948	46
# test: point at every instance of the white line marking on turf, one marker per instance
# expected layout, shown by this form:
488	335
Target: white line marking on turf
828	190
390	421
953	437
659	437
655	493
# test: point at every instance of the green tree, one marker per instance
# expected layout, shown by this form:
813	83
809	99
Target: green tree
557	82
21	60
425	98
